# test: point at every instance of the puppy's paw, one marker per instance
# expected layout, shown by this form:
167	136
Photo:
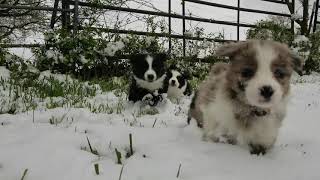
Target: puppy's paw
228	139
257	149
147	97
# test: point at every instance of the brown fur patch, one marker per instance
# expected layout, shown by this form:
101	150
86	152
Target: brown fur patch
243	59
218	68
282	65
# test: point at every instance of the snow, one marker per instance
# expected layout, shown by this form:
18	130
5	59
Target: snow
296	16
300	38
161	142
113	47
4	73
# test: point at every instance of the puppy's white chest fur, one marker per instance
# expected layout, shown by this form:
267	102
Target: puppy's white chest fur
175	93
218	117
151	86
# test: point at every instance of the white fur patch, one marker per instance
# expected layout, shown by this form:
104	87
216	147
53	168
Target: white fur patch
151	86
263	77
174	92
150	71
218	118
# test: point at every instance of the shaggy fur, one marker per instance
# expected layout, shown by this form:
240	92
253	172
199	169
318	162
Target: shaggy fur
244	102
148	77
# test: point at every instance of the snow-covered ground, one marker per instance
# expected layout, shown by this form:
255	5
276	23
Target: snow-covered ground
161	142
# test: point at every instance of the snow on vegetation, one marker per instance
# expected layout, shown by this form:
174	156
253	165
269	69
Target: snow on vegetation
113	47
4	73
84	142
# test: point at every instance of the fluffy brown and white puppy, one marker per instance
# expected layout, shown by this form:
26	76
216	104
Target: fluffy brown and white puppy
244	102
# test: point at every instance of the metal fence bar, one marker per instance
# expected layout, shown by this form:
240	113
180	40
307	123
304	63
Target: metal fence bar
311	18
169	19
40	8
184	27
54	14
175	36
316	16
236	8
292	21
78	3
21	45
84	4
76	17
238	21
65	15
276	1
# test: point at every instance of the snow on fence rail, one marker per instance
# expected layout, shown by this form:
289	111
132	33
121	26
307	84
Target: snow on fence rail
66	16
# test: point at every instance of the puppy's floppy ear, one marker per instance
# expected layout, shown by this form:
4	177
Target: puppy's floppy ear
162	56
231	49
187	74
297	62
172	66
134	57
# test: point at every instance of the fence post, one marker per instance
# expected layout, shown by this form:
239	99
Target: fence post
65	15
169	11
316	17
54	14
184	27
75	16
238	21
292	20
311	18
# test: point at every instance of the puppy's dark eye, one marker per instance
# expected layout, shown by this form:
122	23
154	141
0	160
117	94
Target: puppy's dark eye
247	72
279	73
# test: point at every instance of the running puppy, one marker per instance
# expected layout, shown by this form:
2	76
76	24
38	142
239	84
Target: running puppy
244	102
148	78
177	83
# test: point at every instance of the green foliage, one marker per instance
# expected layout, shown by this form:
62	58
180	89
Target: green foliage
278	30
313	61
272	29
23	94
196	68
90	54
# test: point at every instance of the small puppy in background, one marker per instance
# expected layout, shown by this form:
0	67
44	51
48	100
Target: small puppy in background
177	84
148	78
244	102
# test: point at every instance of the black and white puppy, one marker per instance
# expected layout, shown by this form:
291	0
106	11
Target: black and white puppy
177	84
148	78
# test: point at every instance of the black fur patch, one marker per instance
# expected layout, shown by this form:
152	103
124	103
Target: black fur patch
257	149
182	80
241	86
139	67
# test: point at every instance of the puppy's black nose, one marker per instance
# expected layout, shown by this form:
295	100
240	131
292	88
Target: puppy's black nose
173	82
266	92
150	77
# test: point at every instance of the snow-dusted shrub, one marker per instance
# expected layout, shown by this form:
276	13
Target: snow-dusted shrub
91	53
196	68
279	30
85	55
272	29
312	63
44	90
197	48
